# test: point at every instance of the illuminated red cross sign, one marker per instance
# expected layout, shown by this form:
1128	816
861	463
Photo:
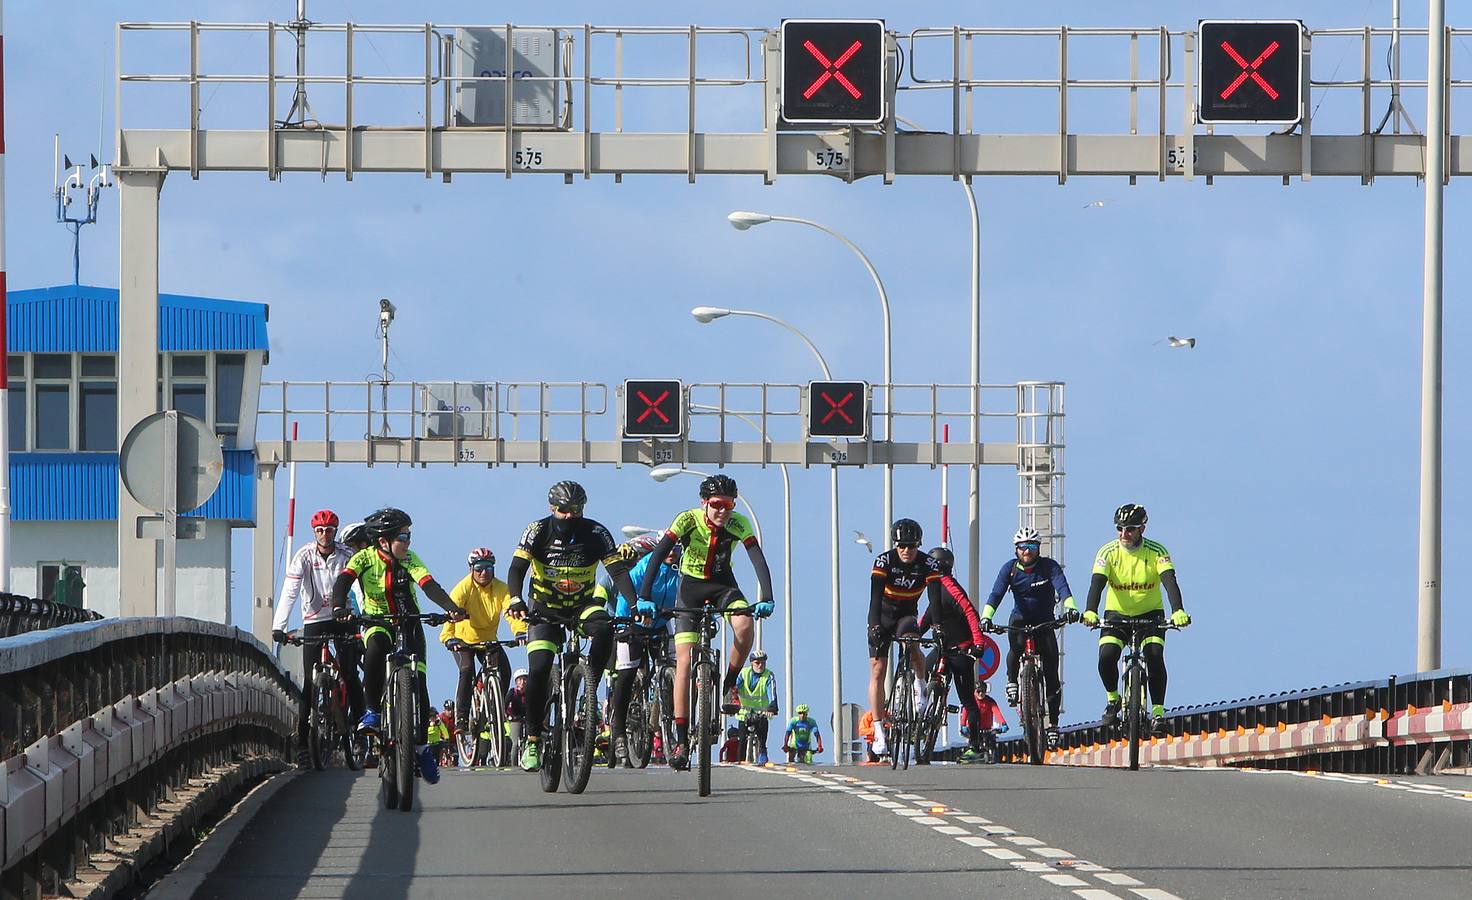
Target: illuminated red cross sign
833	71
1250	72
652	409
837	408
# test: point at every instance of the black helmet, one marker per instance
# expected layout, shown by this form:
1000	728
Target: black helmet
386	522
567	495
1130	515
906	531
718	486
945	557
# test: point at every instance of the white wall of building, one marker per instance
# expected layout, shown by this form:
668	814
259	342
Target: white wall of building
203	565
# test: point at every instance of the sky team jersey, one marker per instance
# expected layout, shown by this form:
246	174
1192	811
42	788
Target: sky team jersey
371	567
707	549
565	565
905	582
1134	576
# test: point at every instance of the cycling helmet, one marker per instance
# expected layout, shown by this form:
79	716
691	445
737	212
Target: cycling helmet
802	709
482	556
906	531
981	686
718	486
759	656
324	517
519	673
945	557
567	495
1131	515
1026	535
353	533
386	522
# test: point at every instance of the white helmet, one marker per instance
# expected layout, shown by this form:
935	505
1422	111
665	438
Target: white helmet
1026	534
519	673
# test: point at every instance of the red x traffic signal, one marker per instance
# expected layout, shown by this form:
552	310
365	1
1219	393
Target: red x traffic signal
833	71
1250	72
837	408
653	409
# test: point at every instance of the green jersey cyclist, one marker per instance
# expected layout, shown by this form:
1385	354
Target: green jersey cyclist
1133	568
708	533
563	551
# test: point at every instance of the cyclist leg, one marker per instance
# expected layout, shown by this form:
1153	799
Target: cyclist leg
465	659
909	626
378	641
595	623
1047	646
1111	646
496	658
349	649
1152	648
629	654
743	634
311	652
879	666
692	595
963	671
414	640
543	640
1015	642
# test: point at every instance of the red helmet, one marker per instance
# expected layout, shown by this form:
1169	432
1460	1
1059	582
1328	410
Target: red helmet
482	556
324	517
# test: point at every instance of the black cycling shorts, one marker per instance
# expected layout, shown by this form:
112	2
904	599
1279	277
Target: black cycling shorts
894	620
1113	633
696	594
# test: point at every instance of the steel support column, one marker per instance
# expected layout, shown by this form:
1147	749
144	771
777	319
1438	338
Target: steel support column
263	553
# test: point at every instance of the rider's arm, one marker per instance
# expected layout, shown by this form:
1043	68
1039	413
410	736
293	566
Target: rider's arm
876	596
999	590
439	595
660	551
934	603
1096	591
967	610
1172	589
618	570
345	580
516	574
290	588
1060	586
772	695
763	574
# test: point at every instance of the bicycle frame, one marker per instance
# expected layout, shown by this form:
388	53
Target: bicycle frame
1032	686
1135	678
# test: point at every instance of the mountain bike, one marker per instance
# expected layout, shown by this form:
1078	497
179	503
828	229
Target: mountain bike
751	739
1031	698
705	674
402	723
487	711
902	725
329	728
570	721
651	702
1133	720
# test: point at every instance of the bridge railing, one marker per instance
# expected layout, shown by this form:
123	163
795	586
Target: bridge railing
116	735
1419	723
20	614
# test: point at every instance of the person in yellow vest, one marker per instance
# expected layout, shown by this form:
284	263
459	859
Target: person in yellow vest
436	735
484	597
756	691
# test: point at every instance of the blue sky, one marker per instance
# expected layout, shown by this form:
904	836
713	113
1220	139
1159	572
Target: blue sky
1278	458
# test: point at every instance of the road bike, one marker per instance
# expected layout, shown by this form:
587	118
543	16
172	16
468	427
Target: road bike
1133	720
570	721
705	675
401	727
1032	698
651	701
902	724
484	741
329	725
937	709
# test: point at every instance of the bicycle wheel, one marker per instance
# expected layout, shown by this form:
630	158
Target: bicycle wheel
705	706
901	714
638	730
935	715
318	747
467	740
353	751
1134	710
581	731
404	735
551	743
665	720
387	761
492	751
1031	713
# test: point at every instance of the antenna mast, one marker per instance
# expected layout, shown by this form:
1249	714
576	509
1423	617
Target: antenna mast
61	193
300	110
386	311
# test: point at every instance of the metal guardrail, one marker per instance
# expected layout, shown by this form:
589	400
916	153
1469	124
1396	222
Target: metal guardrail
1417	723
21	614
106	726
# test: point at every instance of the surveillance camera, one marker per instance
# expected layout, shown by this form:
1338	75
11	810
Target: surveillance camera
386	310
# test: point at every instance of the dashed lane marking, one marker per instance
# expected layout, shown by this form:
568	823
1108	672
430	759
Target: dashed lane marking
1054	865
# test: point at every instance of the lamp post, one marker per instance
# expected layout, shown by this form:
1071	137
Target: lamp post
707	314
741	221
787	653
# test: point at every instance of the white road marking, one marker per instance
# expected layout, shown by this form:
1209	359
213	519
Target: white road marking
1119	878
1052	852
973	841
973	820
1023	841
1095	894
950	829
1154	894
911	797
1065	880
1001	853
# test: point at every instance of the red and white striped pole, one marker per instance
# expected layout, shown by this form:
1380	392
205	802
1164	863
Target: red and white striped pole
4	345
945	492
287	545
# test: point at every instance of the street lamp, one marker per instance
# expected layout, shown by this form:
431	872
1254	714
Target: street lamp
708	314
787	653
633	531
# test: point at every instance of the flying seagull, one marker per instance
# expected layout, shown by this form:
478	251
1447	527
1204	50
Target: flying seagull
1178	343
862	540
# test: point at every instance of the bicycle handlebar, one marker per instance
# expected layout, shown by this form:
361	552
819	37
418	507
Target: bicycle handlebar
1026	629
488	645
391	619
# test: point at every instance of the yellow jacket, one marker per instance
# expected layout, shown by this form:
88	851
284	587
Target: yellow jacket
485	606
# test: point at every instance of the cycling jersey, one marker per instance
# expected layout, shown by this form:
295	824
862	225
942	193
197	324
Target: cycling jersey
1133	575
959	627
800	732
708	548
564	557
899	584
371	567
483	606
309	575
664	593
1035	590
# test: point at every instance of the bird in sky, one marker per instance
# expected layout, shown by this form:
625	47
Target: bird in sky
1095	204
862	540
1179	343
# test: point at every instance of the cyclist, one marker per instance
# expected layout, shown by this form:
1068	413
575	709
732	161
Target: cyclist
899	577
756	692
310	575
802	731
484	597
1037	584
387	572
563	551
708	534
989	717
955	623
354	536
516	704
651	636
1133	568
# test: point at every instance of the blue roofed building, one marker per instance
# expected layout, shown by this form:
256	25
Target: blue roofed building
63	365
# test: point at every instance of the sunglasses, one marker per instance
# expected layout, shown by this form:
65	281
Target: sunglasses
569	510
402	537
720	503
908	546
1124	528
1030	545
483	567
324	528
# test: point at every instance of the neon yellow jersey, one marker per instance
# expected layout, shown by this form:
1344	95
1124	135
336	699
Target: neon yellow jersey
1134	576
708	550
370	567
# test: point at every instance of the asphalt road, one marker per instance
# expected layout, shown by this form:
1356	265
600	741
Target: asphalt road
1005	831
